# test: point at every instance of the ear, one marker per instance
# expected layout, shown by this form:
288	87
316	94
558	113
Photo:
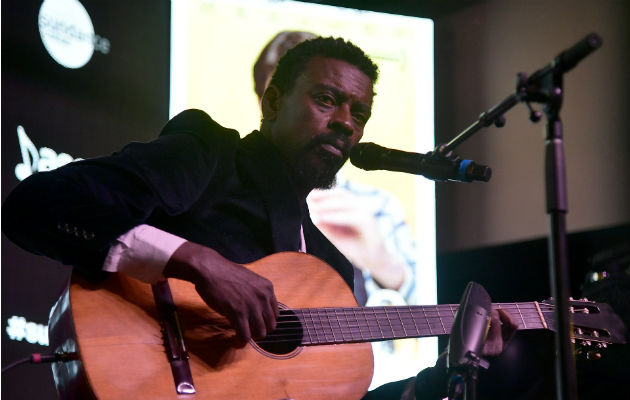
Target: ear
271	103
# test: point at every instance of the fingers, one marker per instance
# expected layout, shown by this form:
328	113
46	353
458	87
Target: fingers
257	322
502	328
244	297
495	325
263	322
257	315
271	314
494	340
242	327
508	325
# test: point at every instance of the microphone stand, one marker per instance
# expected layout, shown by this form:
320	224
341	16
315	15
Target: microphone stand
545	86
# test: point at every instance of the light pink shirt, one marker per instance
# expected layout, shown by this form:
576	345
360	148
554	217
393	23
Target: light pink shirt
144	251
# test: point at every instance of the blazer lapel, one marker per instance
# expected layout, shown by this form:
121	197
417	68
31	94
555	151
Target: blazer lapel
264	166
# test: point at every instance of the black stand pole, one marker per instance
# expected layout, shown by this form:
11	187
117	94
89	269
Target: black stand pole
566	385
545	86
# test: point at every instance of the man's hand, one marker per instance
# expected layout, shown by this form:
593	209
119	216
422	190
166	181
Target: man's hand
244	297
502	328
431	383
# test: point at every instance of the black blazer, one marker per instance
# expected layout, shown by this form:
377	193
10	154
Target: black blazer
197	180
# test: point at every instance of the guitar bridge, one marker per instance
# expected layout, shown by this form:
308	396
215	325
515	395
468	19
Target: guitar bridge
173	338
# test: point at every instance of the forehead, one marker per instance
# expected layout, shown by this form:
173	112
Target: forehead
321	71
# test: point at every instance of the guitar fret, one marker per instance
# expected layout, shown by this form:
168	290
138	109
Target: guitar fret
542	319
330	329
394	323
314	326
311	322
379	323
521	315
402	322
389	325
347	330
308	322
357	322
413	320
319	329
331	322
424	311
342	330
376	333
349	322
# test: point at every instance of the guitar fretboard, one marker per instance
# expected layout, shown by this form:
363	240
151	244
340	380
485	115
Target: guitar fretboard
315	326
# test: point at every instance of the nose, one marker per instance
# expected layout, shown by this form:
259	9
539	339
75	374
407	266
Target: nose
341	120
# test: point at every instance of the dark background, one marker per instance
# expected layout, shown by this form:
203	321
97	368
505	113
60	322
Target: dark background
85	112
493	233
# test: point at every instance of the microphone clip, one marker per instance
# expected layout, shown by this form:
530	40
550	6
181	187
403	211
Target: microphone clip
441	163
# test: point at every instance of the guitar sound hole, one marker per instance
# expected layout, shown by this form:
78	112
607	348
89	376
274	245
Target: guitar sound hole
286	338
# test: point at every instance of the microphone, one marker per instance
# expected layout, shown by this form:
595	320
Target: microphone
470	327
465	345
370	156
569	58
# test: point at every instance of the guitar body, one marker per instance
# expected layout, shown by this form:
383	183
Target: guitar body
122	354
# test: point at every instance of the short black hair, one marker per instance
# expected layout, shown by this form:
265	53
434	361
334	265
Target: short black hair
295	60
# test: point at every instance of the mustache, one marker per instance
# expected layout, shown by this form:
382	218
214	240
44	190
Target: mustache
342	142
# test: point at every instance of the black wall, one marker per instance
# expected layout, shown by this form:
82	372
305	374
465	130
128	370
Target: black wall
115	98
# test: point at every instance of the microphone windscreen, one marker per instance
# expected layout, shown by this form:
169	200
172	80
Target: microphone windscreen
367	156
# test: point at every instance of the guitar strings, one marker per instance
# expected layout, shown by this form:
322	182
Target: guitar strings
333	325
358	324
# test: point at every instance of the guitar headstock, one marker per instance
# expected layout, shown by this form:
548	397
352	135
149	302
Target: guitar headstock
594	324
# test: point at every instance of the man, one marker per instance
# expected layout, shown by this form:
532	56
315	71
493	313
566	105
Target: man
198	202
366	224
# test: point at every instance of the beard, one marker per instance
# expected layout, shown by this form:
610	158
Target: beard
316	168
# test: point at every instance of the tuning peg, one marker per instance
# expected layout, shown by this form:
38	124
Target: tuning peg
587	343
602	345
593	355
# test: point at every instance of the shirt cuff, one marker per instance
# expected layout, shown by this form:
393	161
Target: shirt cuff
142	253
405	292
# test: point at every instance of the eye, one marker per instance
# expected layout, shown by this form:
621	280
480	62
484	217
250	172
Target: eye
325	99
360	118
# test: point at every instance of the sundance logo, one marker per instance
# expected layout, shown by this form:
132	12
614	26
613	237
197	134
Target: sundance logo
68	34
46	159
18	328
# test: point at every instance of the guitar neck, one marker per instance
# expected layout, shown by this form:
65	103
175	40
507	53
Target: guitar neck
368	324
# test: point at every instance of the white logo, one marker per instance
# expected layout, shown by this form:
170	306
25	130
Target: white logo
33	161
18	328
68	34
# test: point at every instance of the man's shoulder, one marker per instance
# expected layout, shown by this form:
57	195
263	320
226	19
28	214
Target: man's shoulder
200	124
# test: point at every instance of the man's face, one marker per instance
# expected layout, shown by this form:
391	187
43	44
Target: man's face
316	124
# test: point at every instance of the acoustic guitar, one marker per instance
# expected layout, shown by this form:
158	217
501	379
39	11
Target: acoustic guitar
320	349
